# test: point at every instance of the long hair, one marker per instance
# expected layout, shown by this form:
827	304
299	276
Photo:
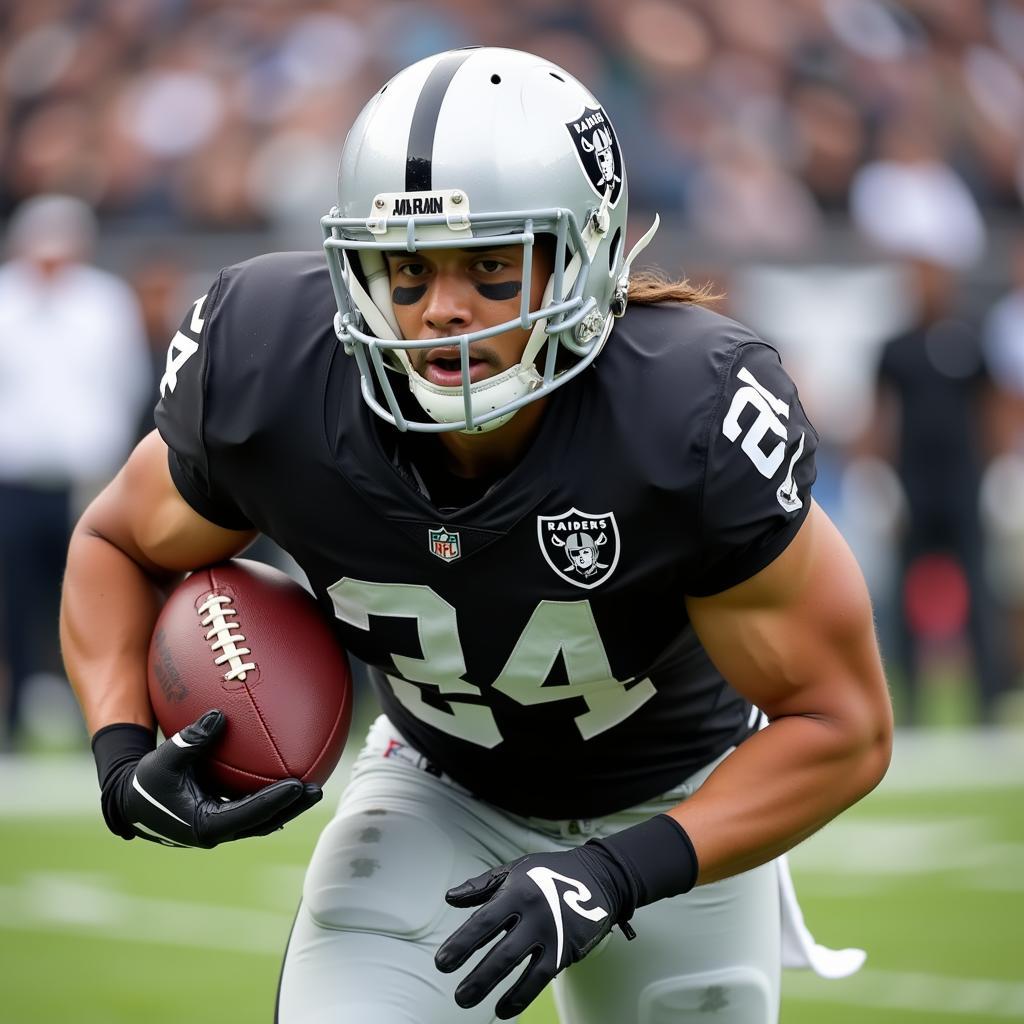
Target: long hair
646	287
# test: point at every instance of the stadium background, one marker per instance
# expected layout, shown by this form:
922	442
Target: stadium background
761	130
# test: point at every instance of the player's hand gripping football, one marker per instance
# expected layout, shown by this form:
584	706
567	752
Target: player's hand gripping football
155	795
553	908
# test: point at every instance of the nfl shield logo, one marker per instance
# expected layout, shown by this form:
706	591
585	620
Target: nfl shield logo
582	547
445	544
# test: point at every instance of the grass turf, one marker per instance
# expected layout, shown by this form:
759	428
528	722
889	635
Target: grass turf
928	882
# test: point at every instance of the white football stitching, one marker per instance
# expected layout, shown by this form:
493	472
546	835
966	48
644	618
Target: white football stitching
218	609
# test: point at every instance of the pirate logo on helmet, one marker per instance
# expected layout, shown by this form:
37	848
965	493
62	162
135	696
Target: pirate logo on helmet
583	548
598	151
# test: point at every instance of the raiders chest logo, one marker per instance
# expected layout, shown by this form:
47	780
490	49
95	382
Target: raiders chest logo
582	547
598	151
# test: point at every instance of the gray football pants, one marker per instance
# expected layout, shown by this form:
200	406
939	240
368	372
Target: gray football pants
373	913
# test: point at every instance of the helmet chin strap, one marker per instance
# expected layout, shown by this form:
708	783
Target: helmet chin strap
642	242
378	282
375	306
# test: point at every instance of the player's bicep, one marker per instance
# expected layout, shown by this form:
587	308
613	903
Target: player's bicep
798	637
142	513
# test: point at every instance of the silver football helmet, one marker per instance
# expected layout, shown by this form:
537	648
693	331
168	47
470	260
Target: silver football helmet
469	148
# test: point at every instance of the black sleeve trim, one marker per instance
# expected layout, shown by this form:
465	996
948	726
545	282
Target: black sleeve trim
207	356
723	379
200	502
757	559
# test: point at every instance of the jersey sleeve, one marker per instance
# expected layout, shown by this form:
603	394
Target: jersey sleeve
758	471
181	413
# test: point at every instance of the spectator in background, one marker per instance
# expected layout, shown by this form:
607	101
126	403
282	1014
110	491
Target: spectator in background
1004	338
933	391
192	114
1003	489
745	201
161	285
73	376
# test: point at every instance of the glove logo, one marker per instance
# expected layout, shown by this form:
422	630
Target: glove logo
577	893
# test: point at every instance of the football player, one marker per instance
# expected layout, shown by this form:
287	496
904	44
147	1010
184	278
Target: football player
467	393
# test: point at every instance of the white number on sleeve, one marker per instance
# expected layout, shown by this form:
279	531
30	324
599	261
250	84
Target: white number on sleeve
181	349
769	409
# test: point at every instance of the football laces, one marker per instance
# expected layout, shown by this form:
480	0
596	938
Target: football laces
217	613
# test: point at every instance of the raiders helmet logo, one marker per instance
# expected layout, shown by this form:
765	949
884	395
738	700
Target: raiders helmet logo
598	151
583	548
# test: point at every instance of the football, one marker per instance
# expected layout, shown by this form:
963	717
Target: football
244	637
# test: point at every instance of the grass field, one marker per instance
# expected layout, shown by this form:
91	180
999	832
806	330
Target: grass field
927	874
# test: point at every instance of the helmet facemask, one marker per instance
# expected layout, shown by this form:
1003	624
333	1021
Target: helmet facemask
567	331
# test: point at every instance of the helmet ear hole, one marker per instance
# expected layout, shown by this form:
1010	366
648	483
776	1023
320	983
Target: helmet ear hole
614	250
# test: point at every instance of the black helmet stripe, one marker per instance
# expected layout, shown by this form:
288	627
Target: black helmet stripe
419	156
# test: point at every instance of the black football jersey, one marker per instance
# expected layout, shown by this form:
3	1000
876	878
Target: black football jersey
535	643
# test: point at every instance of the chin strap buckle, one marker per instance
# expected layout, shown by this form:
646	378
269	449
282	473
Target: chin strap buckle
601	219
619	298
590	326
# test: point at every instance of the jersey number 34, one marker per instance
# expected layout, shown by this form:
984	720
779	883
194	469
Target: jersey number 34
565	628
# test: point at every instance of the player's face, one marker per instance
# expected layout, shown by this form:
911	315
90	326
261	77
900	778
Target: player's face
443	293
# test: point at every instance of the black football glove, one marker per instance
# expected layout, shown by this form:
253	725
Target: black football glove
554	908
153	794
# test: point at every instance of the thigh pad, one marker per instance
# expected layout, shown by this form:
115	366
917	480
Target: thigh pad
732	995
380	871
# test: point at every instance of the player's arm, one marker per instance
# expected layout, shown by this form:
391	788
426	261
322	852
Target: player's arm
798	640
784	613
132	543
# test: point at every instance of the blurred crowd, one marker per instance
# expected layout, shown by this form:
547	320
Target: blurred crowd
749	118
757	128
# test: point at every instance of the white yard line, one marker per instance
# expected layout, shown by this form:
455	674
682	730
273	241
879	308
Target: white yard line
86	906
923	761
906	990
862	847
48	787
65	785
927	760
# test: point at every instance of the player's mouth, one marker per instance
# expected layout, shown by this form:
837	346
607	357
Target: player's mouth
443	367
